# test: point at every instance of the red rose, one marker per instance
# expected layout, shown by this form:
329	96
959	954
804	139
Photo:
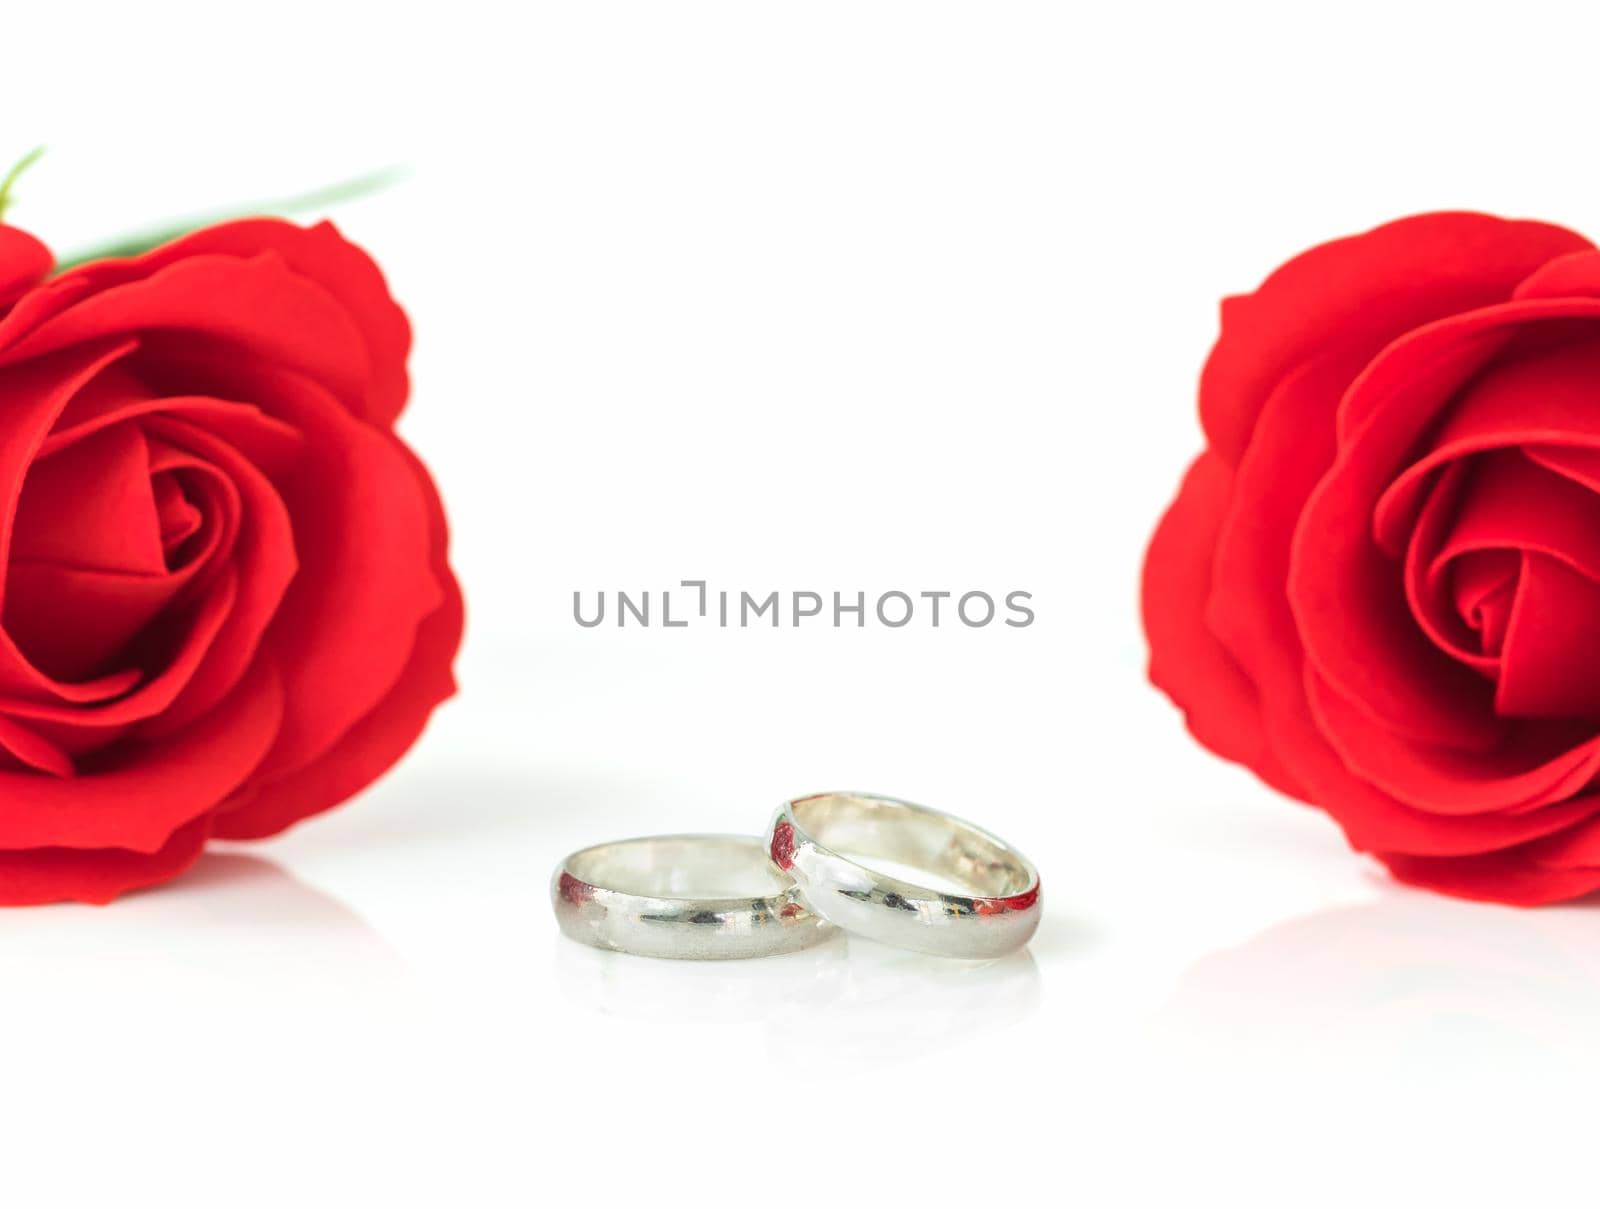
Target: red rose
224	601
1379	587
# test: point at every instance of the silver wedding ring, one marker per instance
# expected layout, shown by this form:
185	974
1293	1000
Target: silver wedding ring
882	868
907	875
688	896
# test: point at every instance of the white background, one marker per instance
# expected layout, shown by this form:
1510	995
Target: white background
824	296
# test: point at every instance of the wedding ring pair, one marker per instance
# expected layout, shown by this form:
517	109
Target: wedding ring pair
829	861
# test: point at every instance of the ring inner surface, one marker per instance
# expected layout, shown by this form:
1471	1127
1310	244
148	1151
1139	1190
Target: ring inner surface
921	841
680	867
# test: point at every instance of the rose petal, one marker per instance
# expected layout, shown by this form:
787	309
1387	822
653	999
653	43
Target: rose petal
32	750
1247	608
319	254
269	443
181	649
345	634
35	394
176	514
1350	297
346	631
315	307
1536	763
265	561
1513	503
1186	661
116	386
1580	465
212	591
1412	379
1509	876
95	875
1435	605
258	307
1576	847
1484	585
77	622
34	307
1352	617
1377	822
1552	646
372	746
1575	275
136	798
1249	613
92	506
1524	400
24	262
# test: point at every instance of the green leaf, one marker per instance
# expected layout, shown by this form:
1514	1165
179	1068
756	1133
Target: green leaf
153	237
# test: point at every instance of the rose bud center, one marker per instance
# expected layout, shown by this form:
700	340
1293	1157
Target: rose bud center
1500	532
116	534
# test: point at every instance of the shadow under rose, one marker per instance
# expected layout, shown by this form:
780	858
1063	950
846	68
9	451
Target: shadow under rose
1410	981
234	924
234	1008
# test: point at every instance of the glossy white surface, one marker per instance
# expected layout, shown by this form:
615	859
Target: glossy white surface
832	296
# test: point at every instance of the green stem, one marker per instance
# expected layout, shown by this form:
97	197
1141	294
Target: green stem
152	237
11	178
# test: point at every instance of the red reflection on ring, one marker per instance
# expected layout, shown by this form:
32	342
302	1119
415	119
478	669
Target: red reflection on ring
998	906
573	891
783	845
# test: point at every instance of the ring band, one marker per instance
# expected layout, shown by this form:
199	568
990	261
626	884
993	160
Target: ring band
685	896
992	908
